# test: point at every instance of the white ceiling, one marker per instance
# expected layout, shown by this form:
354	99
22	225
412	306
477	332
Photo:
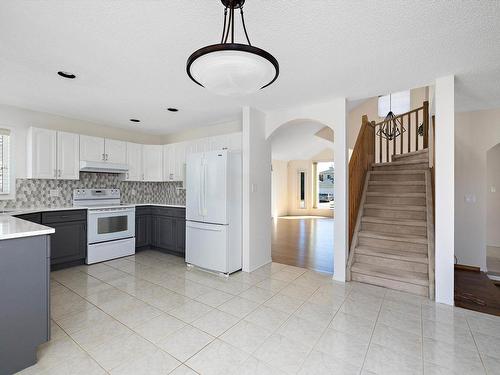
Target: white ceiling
297	141
130	55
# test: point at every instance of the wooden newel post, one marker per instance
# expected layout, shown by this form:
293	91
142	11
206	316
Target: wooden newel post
426	124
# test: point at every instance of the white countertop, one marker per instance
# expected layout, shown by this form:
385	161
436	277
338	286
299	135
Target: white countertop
20	211
12	227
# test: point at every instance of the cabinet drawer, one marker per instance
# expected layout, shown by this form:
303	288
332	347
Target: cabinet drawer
63	216
142	210
168	211
35	217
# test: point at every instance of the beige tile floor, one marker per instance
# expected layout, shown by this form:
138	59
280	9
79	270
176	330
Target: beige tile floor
148	314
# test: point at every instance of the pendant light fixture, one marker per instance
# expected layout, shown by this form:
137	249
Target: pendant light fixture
230	68
392	126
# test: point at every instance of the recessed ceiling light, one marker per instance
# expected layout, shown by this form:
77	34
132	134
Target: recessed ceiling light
172	109
66	75
135	120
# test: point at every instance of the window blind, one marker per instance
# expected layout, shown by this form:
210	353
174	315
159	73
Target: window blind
4	161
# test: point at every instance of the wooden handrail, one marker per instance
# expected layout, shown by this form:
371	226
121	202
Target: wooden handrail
361	161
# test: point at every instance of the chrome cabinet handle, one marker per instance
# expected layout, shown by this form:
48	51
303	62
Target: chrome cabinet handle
60	173
107	156
103	157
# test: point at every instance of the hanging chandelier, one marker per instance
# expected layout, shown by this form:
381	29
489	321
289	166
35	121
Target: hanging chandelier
392	126
230	68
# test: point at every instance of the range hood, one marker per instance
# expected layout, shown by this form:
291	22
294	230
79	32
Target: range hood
102	166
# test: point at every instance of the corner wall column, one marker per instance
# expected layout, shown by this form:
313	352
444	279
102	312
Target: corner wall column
445	189
341	160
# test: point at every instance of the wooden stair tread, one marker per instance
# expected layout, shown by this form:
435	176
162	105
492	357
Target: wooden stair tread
407	256
395	207
397	238
394	195
400	183
390	273
402	162
415	223
398	172
413	153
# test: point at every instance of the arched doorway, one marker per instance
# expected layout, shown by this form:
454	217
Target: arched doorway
302	194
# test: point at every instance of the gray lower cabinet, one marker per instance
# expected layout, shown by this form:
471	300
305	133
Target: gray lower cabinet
24	296
69	242
163	228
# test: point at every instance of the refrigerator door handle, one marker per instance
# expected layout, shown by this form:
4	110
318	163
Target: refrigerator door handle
205	189
200	192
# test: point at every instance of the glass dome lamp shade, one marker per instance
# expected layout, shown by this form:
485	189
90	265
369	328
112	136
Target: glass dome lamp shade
232	69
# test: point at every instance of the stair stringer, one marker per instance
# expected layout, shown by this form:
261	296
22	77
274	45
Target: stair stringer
357	227
430	233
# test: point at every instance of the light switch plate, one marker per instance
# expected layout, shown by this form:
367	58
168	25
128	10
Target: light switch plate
54	192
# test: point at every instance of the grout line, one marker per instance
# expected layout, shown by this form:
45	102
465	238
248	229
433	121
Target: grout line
373	331
475	343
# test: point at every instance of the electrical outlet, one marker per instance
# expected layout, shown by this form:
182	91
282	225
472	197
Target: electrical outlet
54	193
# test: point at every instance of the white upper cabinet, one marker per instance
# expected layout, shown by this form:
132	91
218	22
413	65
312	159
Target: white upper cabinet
174	161
152	162
68	156
41	150
92	148
225	142
52	154
134	161
115	151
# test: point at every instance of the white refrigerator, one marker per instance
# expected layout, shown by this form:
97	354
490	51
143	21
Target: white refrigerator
213	210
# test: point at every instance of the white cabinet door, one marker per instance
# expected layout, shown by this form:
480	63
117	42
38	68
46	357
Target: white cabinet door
152	162
169	162
115	151
42	159
91	148
68	156
134	161
225	142
180	162
219	142
234	141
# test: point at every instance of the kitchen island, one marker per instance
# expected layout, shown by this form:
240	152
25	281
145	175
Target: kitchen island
24	291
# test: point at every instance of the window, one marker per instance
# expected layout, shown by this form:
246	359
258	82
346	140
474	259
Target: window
326	182
399	102
302	189
4	161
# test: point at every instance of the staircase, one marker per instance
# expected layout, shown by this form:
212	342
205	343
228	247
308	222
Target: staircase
393	241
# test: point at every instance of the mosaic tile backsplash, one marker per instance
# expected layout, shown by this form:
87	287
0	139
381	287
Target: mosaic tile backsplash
36	193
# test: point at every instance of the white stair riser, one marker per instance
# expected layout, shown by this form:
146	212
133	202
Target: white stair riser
396	188
397	177
404	167
394	229
395	214
392	263
389	244
411	201
392	284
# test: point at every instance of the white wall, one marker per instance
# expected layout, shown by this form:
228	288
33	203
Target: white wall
205	131
493	196
444	185
279	186
256	191
19	120
476	133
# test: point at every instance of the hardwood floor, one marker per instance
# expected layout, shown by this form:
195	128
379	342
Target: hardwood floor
475	291
303	242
